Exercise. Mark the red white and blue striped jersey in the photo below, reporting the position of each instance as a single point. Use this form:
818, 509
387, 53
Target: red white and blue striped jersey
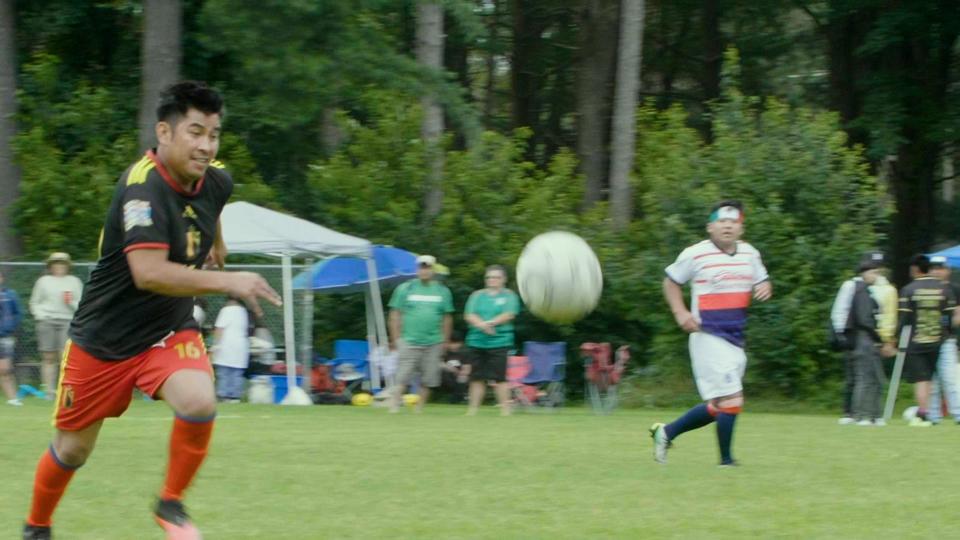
722, 286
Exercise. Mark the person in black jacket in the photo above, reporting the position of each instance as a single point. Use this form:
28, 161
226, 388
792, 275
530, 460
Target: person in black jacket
840, 320
866, 342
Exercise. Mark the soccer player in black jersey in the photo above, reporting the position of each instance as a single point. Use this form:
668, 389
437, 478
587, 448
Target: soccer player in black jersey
928, 305
134, 327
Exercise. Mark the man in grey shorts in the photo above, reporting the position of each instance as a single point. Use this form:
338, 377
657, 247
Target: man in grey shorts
55, 298
420, 325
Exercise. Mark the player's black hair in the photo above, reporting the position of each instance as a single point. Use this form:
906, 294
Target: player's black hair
922, 262
177, 99
729, 202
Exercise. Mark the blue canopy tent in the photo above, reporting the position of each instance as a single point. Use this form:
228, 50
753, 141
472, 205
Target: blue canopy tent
951, 253
349, 274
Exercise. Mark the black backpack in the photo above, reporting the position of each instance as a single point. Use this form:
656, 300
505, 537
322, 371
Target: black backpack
842, 341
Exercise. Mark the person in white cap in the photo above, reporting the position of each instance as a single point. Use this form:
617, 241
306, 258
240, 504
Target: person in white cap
420, 324
945, 377
928, 306
55, 298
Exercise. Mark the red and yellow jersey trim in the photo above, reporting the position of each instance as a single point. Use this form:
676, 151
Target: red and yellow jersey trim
146, 245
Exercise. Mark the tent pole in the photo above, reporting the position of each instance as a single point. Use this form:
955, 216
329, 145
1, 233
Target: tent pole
377, 301
372, 340
306, 334
289, 342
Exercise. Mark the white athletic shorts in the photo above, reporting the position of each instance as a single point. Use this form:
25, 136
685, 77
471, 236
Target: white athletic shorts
718, 365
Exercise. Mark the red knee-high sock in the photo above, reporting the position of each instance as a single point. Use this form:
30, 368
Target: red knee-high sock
188, 446
49, 484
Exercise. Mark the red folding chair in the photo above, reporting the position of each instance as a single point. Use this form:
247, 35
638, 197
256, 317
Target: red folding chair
603, 376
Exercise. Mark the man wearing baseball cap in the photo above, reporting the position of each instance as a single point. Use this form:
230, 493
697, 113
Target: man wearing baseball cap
873, 322
420, 326
864, 314
945, 376
54, 300
928, 306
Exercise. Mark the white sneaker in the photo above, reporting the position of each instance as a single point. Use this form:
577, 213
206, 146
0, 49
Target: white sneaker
846, 421
660, 442
920, 422
864, 422
879, 422
15, 402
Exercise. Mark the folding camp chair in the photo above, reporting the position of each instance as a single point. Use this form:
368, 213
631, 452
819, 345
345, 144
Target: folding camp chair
350, 364
547, 368
518, 367
602, 376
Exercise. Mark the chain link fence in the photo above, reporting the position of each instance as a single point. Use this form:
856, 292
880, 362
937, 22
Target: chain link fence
21, 276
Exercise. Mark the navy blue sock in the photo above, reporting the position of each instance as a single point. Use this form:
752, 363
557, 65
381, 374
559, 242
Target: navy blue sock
695, 418
725, 435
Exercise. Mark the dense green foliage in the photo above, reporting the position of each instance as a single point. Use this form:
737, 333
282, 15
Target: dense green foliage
74, 144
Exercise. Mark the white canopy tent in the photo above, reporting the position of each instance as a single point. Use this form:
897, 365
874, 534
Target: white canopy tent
248, 228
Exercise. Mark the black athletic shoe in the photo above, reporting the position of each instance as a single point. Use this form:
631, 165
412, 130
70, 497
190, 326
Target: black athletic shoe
731, 463
174, 521
32, 532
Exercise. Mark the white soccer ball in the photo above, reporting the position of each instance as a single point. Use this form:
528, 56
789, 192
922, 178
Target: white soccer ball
559, 277
910, 412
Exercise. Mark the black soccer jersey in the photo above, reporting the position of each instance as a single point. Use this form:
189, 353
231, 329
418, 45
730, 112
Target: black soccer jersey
927, 303
116, 320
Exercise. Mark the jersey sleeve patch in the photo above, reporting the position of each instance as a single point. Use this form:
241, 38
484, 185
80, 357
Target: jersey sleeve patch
137, 213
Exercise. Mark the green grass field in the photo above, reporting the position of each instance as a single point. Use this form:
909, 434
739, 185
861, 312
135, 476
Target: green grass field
347, 472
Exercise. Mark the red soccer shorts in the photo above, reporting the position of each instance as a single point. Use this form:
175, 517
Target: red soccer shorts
91, 389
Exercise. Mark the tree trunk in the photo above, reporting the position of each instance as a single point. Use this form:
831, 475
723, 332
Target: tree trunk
948, 173
598, 52
490, 67
331, 134
9, 173
713, 57
526, 37
914, 180
159, 59
456, 59
845, 33
430, 55
527, 78
913, 227
623, 137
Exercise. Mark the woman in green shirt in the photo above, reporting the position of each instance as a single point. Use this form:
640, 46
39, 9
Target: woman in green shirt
489, 314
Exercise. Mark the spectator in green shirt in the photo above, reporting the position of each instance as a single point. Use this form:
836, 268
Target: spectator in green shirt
489, 313
420, 325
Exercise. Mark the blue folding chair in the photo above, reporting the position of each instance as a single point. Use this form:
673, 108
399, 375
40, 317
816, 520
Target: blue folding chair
350, 364
548, 362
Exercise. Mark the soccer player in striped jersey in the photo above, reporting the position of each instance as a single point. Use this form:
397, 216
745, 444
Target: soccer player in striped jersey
725, 274
135, 327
